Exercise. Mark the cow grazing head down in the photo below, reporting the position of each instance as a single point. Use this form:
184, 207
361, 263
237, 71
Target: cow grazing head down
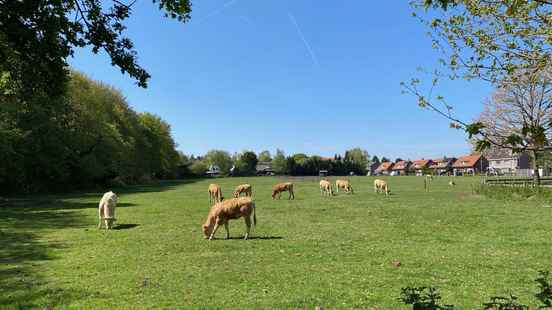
207, 231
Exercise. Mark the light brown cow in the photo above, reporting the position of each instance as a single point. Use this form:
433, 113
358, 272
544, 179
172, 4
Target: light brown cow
326, 188
230, 209
283, 187
381, 186
345, 185
243, 189
215, 194
106, 210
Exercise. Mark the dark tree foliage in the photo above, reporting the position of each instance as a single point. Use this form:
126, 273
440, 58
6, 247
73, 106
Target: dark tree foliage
88, 136
37, 37
246, 164
375, 159
423, 298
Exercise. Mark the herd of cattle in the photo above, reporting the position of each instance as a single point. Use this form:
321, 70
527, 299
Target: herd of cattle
239, 206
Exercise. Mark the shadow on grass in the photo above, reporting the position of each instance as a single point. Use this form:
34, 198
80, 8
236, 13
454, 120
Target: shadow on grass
125, 226
23, 249
251, 238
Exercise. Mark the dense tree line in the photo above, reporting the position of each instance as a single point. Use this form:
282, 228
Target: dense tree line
87, 135
299, 164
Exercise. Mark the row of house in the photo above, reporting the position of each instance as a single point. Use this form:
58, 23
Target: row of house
496, 161
470, 164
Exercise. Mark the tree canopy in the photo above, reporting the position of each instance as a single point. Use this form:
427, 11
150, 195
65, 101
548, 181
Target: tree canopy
501, 42
89, 135
37, 37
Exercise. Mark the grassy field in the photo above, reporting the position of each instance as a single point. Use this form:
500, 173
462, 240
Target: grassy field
335, 252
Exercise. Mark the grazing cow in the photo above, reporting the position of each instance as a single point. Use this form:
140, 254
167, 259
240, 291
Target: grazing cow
326, 188
230, 209
106, 210
283, 187
215, 194
243, 189
345, 185
381, 186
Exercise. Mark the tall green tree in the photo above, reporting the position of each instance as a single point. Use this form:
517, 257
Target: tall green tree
90, 136
265, 156
359, 159
246, 163
220, 158
501, 42
279, 162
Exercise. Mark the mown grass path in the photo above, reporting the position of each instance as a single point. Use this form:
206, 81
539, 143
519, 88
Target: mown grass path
333, 252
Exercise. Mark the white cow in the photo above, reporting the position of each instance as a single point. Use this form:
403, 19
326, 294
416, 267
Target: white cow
106, 210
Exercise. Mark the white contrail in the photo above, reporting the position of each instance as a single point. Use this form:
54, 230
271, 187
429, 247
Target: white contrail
217, 11
307, 45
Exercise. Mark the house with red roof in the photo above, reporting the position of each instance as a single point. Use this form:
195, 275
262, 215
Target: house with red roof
384, 168
420, 166
470, 164
402, 167
442, 166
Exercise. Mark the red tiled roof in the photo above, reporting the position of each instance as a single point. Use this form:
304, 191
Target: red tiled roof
420, 164
466, 161
401, 165
384, 166
441, 163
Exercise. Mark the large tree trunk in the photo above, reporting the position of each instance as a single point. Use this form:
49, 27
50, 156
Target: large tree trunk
536, 176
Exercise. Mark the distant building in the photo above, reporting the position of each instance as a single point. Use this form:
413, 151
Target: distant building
401, 167
371, 167
420, 166
264, 168
504, 161
213, 170
384, 168
442, 166
470, 164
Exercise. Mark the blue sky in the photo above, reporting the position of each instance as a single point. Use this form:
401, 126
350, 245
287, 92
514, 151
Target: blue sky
316, 77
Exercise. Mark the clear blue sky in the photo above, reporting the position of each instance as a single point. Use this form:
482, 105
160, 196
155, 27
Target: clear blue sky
316, 77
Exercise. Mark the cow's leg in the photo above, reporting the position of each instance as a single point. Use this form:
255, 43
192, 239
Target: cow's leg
247, 226
227, 230
214, 231
100, 216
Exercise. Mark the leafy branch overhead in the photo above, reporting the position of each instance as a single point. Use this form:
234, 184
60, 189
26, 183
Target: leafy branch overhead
36, 37
506, 43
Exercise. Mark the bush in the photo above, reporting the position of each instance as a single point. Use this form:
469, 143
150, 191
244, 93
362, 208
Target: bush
428, 298
423, 298
506, 192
